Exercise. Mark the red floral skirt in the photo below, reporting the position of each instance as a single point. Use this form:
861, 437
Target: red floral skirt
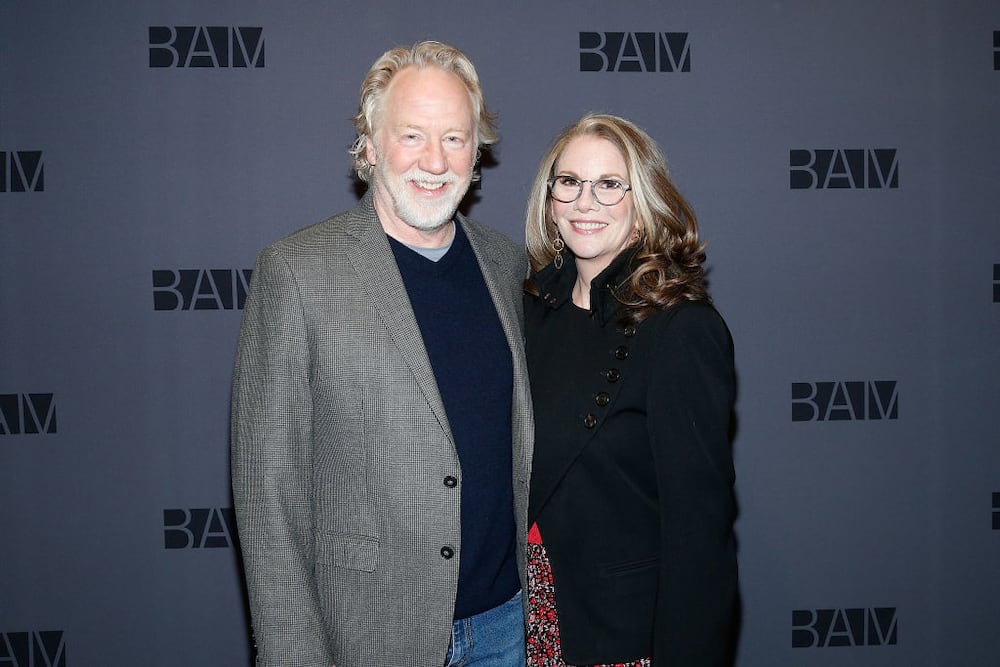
543, 646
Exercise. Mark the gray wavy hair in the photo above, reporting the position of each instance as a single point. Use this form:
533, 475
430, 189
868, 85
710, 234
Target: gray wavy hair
421, 55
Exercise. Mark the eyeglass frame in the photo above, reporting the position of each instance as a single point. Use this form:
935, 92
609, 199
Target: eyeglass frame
551, 181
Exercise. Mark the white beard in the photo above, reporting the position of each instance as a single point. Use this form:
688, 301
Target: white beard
422, 215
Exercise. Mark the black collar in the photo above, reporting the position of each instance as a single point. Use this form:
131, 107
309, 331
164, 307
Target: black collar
555, 286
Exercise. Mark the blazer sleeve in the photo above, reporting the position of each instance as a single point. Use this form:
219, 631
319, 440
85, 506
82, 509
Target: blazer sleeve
691, 398
271, 448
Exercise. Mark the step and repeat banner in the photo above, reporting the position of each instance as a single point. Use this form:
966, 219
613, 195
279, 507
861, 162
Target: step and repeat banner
843, 160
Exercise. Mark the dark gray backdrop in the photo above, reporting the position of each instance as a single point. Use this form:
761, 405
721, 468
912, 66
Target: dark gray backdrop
863, 541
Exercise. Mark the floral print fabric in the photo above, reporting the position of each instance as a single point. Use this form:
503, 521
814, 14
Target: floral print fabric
543, 648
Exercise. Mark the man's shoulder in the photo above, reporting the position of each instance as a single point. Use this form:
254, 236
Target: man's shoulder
338, 231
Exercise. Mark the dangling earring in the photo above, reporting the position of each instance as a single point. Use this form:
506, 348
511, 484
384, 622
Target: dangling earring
558, 245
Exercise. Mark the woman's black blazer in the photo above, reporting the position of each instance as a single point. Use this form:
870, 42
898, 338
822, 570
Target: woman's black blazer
632, 480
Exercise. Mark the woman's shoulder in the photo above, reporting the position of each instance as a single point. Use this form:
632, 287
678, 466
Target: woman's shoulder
688, 314
689, 323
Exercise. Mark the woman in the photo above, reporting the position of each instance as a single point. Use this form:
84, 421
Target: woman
632, 559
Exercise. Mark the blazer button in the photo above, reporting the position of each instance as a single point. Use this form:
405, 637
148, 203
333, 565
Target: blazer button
621, 352
590, 421
629, 331
614, 375
447, 553
450, 482
602, 399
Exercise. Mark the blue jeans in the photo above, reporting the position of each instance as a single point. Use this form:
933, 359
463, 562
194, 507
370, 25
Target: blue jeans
494, 638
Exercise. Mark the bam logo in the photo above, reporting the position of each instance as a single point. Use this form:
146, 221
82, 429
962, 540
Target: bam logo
996, 283
27, 413
821, 628
22, 171
996, 49
217, 46
205, 528
200, 289
851, 169
840, 401
635, 52
32, 649
996, 511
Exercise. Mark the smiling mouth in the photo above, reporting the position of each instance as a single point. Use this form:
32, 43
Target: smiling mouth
589, 226
429, 185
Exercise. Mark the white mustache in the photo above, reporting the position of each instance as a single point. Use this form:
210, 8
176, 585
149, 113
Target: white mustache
430, 179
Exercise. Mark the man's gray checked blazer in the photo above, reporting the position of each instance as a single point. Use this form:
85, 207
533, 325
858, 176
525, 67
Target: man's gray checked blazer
340, 445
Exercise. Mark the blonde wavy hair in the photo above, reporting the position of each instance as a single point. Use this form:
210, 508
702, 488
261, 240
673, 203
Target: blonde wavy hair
668, 264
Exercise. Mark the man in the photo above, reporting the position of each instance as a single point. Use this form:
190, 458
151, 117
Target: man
381, 421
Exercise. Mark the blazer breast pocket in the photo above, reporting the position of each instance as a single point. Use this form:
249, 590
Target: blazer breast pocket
353, 552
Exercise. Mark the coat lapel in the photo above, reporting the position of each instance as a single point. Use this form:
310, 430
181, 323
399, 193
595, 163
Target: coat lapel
505, 290
379, 276
498, 282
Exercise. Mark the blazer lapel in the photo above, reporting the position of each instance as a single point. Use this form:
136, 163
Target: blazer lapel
497, 281
505, 289
379, 276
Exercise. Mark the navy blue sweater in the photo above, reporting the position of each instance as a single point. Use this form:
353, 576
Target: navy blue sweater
472, 365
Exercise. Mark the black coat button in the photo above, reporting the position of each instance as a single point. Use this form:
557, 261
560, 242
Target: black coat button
447, 553
602, 399
614, 375
590, 421
450, 482
629, 331
621, 352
